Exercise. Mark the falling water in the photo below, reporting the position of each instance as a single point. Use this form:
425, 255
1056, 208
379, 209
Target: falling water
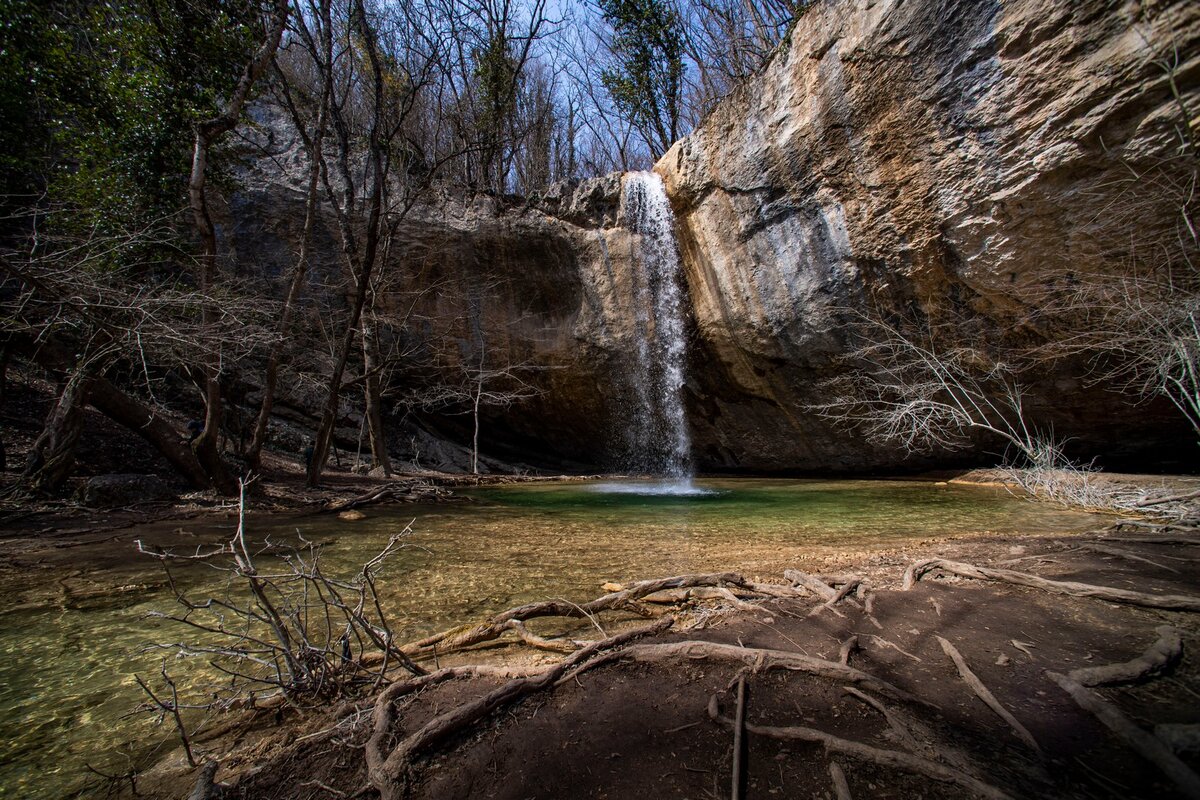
658, 427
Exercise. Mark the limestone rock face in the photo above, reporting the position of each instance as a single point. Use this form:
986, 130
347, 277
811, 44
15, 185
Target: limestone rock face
936, 154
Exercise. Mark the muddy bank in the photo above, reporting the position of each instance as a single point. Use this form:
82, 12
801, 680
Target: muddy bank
640, 723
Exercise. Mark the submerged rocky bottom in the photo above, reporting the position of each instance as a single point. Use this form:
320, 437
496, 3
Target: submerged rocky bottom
74, 622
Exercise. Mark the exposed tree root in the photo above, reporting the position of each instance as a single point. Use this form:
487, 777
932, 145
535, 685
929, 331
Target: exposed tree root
849, 646
841, 594
760, 660
387, 770
1180, 540
497, 626
882, 642
737, 792
824, 590
674, 596
986, 696
1160, 657
874, 755
840, 786
907, 730
1119, 553
1182, 739
1169, 601
1146, 744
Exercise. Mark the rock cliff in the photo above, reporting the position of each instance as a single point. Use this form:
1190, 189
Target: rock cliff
934, 155
937, 154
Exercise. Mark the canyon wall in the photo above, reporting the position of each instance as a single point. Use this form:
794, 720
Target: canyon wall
943, 156
930, 157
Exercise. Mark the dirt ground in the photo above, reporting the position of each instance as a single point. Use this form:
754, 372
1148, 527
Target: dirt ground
635, 729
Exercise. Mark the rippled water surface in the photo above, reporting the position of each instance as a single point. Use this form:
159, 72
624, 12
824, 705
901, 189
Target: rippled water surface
71, 634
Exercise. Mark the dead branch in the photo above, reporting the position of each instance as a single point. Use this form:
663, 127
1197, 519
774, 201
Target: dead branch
874, 755
1160, 657
1175, 602
1146, 744
986, 696
1175, 498
387, 770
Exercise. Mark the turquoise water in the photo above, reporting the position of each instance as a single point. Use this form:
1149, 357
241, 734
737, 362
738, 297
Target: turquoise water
67, 656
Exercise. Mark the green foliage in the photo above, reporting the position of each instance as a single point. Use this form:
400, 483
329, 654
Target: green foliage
647, 83
98, 97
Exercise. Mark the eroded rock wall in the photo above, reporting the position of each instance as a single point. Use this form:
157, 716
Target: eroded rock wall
933, 156
938, 154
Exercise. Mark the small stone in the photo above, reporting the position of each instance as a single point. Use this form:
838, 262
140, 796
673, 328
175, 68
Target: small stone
609, 586
352, 515
1003, 661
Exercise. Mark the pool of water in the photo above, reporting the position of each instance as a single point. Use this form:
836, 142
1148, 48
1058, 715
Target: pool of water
73, 633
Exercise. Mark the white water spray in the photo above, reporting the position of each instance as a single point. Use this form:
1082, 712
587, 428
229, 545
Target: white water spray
658, 430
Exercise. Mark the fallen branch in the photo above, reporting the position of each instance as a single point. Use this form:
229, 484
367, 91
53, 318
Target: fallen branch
1170, 601
1170, 499
1161, 656
1147, 745
874, 755
986, 696
386, 771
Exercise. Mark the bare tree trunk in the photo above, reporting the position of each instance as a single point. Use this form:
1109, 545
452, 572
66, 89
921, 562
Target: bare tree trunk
271, 376
53, 455
378, 163
372, 396
125, 410
151, 426
475, 436
207, 133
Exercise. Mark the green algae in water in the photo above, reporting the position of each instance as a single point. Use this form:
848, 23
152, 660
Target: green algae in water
66, 681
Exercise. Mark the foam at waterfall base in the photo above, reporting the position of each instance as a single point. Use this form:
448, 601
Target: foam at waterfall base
654, 487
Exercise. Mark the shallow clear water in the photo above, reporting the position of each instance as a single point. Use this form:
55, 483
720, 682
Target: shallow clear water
66, 662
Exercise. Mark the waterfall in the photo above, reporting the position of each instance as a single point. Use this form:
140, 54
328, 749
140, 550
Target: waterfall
657, 430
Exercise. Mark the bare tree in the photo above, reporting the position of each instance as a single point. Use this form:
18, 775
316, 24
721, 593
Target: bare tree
285, 629
906, 383
208, 132
1139, 325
